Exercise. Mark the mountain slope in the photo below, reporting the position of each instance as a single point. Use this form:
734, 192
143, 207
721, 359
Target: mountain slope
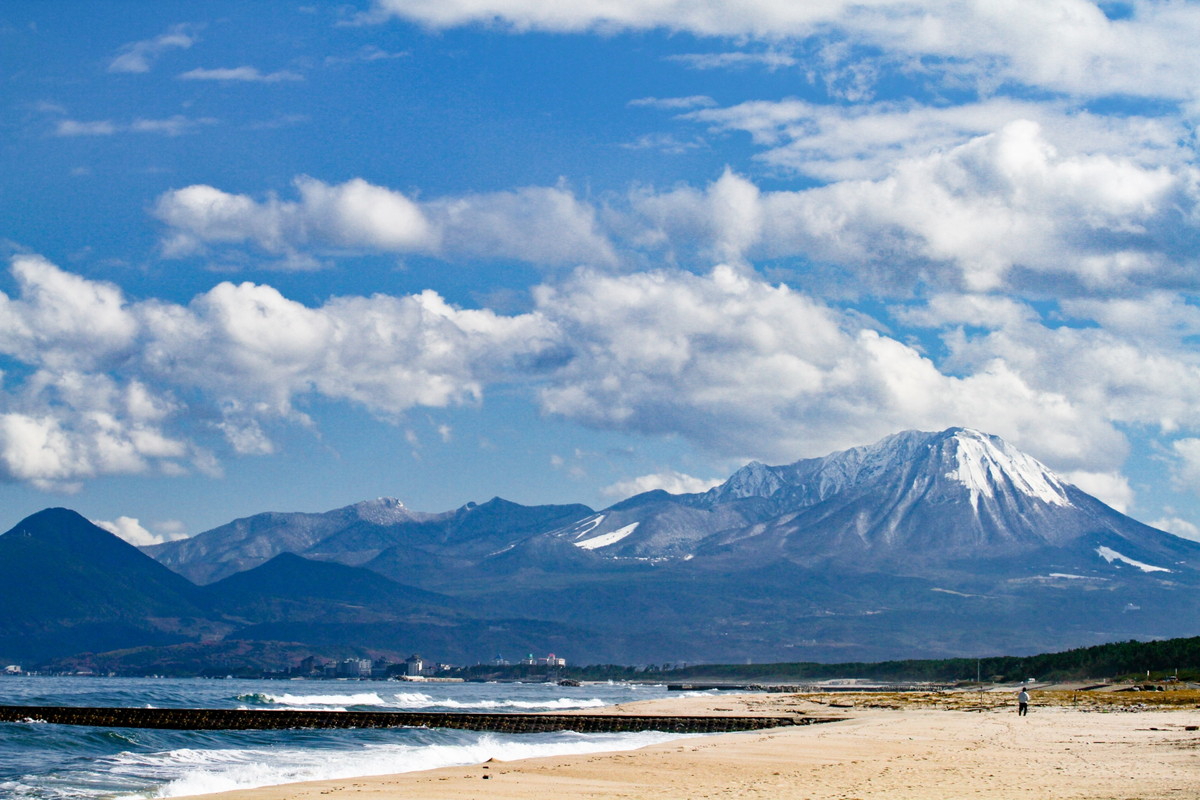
67, 585
290, 587
384, 531
909, 502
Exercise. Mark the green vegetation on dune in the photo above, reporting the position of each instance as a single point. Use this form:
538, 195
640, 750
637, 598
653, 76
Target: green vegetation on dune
1160, 658
1134, 659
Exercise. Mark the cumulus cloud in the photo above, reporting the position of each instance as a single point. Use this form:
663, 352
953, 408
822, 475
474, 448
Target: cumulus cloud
118, 387
668, 481
138, 57
1186, 466
545, 225
740, 367
1117, 378
1004, 210
59, 429
62, 321
1061, 45
131, 530
1109, 487
865, 140
1178, 526
745, 368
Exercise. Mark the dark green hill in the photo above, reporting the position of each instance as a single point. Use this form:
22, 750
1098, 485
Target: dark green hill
290, 587
1116, 659
68, 586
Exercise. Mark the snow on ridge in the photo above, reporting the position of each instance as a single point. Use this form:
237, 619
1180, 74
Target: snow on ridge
605, 539
586, 527
1110, 555
983, 462
383, 511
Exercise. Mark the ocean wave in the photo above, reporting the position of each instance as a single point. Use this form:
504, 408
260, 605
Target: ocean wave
418, 700
264, 699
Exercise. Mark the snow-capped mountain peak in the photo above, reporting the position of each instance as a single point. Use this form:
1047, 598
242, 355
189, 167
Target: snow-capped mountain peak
755, 479
983, 463
382, 511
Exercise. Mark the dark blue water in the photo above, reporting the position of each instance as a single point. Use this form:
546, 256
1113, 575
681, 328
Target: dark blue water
38, 760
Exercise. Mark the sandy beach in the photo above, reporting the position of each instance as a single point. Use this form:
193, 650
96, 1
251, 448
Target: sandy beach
1125, 746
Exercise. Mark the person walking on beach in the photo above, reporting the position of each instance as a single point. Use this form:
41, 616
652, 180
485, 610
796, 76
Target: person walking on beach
1022, 703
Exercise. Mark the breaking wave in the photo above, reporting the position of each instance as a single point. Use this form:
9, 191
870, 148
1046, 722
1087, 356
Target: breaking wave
339, 700
419, 700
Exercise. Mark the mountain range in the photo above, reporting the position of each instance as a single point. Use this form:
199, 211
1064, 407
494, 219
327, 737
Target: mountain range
921, 545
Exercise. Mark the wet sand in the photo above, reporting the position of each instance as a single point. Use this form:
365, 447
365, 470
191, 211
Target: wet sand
895, 746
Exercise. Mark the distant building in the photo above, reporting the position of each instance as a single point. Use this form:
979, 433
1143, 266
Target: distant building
354, 668
414, 666
549, 661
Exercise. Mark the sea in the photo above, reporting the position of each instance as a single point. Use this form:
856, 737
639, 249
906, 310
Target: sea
49, 762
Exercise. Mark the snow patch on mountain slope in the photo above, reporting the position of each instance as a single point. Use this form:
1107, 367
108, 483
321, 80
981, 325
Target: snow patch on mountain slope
1110, 555
605, 539
585, 527
985, 462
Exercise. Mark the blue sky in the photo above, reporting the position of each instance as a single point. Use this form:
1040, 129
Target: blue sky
289, 257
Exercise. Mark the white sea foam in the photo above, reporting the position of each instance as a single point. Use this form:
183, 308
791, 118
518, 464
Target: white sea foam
415, 700
206, 771
363, 699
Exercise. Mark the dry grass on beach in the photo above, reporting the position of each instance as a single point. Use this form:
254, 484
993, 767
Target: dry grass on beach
965, 700
1073, 745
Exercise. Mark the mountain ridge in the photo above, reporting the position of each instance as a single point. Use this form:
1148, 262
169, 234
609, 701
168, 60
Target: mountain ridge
925, 544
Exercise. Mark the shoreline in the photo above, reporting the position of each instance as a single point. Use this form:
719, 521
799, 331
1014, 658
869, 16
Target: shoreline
938, 746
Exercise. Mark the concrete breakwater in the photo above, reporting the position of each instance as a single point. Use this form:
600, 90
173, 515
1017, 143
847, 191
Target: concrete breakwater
256, 719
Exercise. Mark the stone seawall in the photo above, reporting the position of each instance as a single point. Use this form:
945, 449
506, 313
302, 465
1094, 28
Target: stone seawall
251, 719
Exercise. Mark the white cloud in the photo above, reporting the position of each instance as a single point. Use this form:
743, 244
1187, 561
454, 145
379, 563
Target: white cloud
73, 127
240, 75
1060, 45
107, 376
747, 369
63, 321
131, 530
1161, 317
865, 140
724, 360
177, 125
538, 224
770, 60
973, 310
674, 103
542, 225
1111, 488
664, 143
668, 481
138, 57
1005, 210
1115, 378
66, 427
1178, 526
1186, 467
